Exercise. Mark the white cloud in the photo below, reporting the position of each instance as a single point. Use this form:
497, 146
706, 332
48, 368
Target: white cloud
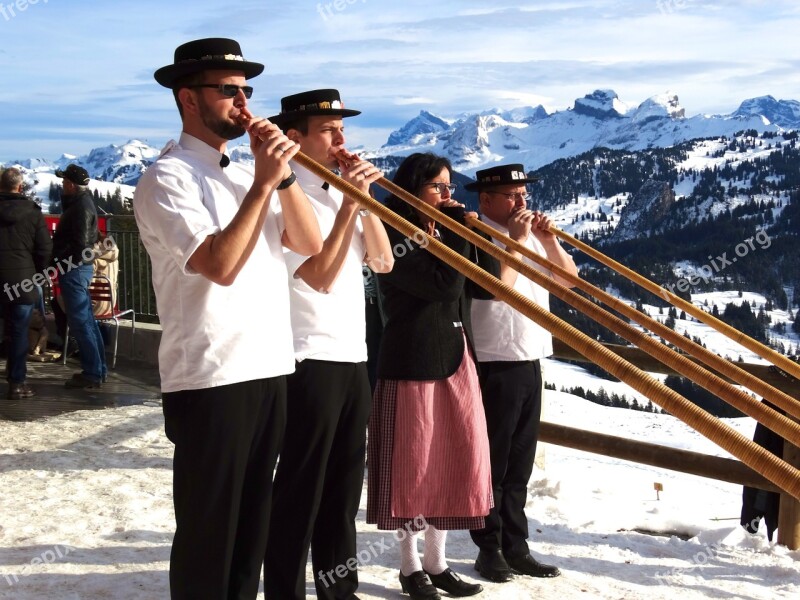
392, 59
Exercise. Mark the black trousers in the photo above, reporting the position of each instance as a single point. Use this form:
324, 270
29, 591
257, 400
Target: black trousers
318, 482
512, 399
227, 441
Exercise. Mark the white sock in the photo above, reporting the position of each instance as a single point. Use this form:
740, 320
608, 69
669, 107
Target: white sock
434, 561
409, 557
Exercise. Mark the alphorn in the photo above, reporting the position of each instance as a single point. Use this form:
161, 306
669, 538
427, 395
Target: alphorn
773, 468
779, 423
727, 368
755, 346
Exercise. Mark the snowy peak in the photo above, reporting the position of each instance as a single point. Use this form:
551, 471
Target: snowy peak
119, 164
534, 137
425, 123
470, 138
601, 104
523, 114
664, 105
783, 113
33, 164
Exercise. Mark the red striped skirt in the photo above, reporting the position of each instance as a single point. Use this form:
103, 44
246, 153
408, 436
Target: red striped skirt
428, 453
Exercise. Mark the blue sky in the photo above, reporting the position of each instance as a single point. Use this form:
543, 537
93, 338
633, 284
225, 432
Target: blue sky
78, 74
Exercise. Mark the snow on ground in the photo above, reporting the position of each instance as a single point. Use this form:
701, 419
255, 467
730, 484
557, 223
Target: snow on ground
86, 509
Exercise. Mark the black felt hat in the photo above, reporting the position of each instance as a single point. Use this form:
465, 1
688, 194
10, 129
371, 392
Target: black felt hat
77, 175
312, 104
501, 175
204, 55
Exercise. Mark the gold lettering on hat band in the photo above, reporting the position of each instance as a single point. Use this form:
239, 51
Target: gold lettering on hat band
236, 57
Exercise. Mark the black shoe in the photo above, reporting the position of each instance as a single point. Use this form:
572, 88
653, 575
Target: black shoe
80, 382
419, 586
527, 565
18, 391
492, 565
451, 583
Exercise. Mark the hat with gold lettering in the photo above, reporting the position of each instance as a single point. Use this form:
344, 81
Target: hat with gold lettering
312, 104
501, 175
205, 55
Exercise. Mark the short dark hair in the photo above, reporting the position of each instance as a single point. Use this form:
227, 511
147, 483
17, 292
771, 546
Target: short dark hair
411, 175
300, 124
11, 179
186, 81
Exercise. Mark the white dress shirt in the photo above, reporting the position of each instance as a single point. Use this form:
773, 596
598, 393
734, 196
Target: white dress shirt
328, 326
213, 335
502, 333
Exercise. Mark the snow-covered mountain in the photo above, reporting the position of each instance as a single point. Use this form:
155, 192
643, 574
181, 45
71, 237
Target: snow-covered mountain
110, 167
120, 164
535, 138
527, 135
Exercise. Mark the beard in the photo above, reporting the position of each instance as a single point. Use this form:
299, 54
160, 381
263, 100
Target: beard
227, 130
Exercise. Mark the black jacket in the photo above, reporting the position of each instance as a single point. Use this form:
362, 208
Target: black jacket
424, 298
77, 228
24, 248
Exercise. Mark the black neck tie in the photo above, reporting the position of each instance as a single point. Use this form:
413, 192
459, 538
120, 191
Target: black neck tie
224, 161
325, 186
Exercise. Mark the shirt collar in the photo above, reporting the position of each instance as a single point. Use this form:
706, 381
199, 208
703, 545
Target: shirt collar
500, 228
310, 182
207, 153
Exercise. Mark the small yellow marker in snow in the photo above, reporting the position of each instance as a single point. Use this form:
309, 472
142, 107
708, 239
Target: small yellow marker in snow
658, 487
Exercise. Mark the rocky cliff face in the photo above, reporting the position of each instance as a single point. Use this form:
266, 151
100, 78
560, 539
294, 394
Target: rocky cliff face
644, 211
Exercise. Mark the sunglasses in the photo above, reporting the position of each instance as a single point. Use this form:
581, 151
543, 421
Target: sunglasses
229, 90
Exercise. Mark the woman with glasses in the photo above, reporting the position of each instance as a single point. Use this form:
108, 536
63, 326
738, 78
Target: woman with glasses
428, 451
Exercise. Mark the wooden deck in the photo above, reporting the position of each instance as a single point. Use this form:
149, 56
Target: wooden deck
130, 383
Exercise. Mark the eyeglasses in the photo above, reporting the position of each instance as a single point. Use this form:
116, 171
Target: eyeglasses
439, 188
229, 90
515, 196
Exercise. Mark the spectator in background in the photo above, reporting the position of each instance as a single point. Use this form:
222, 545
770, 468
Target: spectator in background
75, 235
106, 264
25, 248
37, 337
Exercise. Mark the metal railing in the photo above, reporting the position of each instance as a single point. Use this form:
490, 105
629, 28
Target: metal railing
135, 283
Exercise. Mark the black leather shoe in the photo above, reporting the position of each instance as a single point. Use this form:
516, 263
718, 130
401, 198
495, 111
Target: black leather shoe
419, 586
80, 382
18, 391
492, 565
527, 565
451, 583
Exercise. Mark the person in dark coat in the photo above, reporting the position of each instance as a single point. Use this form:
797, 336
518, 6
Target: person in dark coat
76, 234
760, 504
428, 401
24, 255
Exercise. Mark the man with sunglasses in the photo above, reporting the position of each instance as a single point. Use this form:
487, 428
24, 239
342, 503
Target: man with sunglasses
321, 472
509, 346
215, 232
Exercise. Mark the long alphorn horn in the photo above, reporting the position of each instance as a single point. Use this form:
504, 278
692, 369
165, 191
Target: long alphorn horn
773, 468
736, 397
755, 346
726, 368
